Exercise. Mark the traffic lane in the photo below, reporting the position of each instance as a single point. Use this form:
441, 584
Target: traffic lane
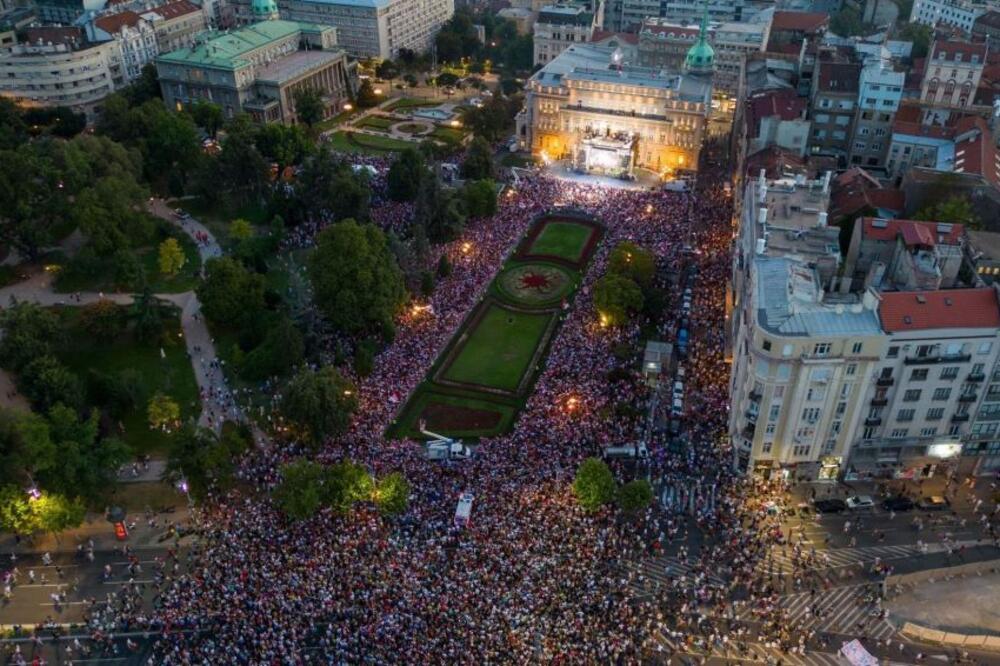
895, 529
82, 581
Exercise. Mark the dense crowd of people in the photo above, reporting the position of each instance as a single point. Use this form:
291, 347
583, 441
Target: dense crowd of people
531, 578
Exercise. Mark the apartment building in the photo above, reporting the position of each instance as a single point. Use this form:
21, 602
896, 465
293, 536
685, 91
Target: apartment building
917, 144
880, 89
952, 74
663, 44
629, 15
58, 67
134, 36
961, 14
367, 28
177, 24
833, 101
986, 28
560, 26
802, 351
981, 451
940, 347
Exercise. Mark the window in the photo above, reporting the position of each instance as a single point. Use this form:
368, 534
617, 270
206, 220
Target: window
857, 347
952, 349
893, 352
950, 372
801, 450
911, 395
779, 392
941, 394
766, 345
814, 394
868, 433
805, 432
955, 430
985, 348
772, 414
928, 432
852, 369
835, 428
821, 349
787, 350
770, 428
765, 447
899, 433
845, 390
860, 145
935, 413
918, 375
810, 414
841, 408
905, 415
977, 369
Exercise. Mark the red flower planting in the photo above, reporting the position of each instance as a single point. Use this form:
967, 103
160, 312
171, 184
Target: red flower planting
535, 281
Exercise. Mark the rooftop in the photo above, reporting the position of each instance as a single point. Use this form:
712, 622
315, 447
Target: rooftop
976, 152
789, 302
948, 308
295, 64
113, 23
800, 21
953, 51
172, 10
839, 77
784, 103
565, 15
913, 232
229, 50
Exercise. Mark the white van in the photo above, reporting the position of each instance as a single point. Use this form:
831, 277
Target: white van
446, 451
677, 409
631, 451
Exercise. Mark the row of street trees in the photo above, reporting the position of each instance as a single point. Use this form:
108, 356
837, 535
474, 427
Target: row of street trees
595, 487
307, 487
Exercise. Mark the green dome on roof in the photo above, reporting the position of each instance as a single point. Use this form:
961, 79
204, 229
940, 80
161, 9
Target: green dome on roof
700, 58
265, 9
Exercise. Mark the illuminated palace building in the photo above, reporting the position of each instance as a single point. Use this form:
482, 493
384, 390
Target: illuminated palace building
603, 115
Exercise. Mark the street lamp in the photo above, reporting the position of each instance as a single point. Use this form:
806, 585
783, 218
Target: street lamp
348, 106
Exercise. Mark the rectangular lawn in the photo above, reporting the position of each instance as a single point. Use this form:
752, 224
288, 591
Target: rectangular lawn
566, 240
498, 352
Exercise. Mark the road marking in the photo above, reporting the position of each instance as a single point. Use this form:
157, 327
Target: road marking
126, 582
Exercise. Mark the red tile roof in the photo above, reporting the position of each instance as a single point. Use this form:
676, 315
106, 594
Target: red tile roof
172, 10
599, 35
977, 154
54, 34
800, 21
785, 104
113, 23
914, 232
949, 308
684, 33
855, 190
949, 49
839, 77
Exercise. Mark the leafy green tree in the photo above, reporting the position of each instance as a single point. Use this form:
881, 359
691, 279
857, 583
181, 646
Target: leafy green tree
103, 319
146, 315
240, 229
129, 273
170, 146
480, 198
46, 381
327, 183
446, 79
356, 280
26, 447
285, 145
299, 494
478, 161
366, 98
163, 412
406, 176
282, 350
144, 88
919, 34
387, 70
13, 131
33, 198
230, 294
29, 332
635, 495
444, 266
205, 460
309, 106
345, 484
240, 169
208, 116
319, 404
594, 486
87, 465
847, 23
392, 494
25, 515
440, 212
953, 210
171, 257
107, 213
616, 298
633, 262
364, 357
493, 120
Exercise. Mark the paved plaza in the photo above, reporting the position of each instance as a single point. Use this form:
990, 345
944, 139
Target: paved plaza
969, 605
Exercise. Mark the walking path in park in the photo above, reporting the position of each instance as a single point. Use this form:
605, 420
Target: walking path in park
217, 402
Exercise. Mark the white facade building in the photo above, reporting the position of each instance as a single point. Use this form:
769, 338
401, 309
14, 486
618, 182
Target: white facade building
958, 13
560, 26
134, 35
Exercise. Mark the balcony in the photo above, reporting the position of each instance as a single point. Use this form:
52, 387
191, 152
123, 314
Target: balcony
931, 360
975, 377
751, 417
885, 381
749, 430
967, 397
879, 402
873, 422
755, 396
959, 418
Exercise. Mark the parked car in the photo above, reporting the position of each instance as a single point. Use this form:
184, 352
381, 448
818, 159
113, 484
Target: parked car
860, 503
898, 503
830, 505
933, 503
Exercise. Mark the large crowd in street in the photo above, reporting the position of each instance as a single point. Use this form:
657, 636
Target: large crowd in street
531, 578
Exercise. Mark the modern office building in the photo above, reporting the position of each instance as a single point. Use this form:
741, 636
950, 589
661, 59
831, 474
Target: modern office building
258, 69
367, 28
604, 116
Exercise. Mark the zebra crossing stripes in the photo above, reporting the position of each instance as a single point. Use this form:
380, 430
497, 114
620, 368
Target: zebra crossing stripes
840, 613
661, 572
756, 652
690, 498
836, 558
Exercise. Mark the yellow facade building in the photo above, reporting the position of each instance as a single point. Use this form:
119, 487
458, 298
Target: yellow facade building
606, 116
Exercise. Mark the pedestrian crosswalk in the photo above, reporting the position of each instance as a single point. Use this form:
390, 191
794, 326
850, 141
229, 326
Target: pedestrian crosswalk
842, 610
783, 559
660, 573
693, 498
747, 652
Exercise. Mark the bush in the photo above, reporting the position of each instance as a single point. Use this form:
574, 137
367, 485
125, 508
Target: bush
427, 283
444, 266
635, 495
364, 357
